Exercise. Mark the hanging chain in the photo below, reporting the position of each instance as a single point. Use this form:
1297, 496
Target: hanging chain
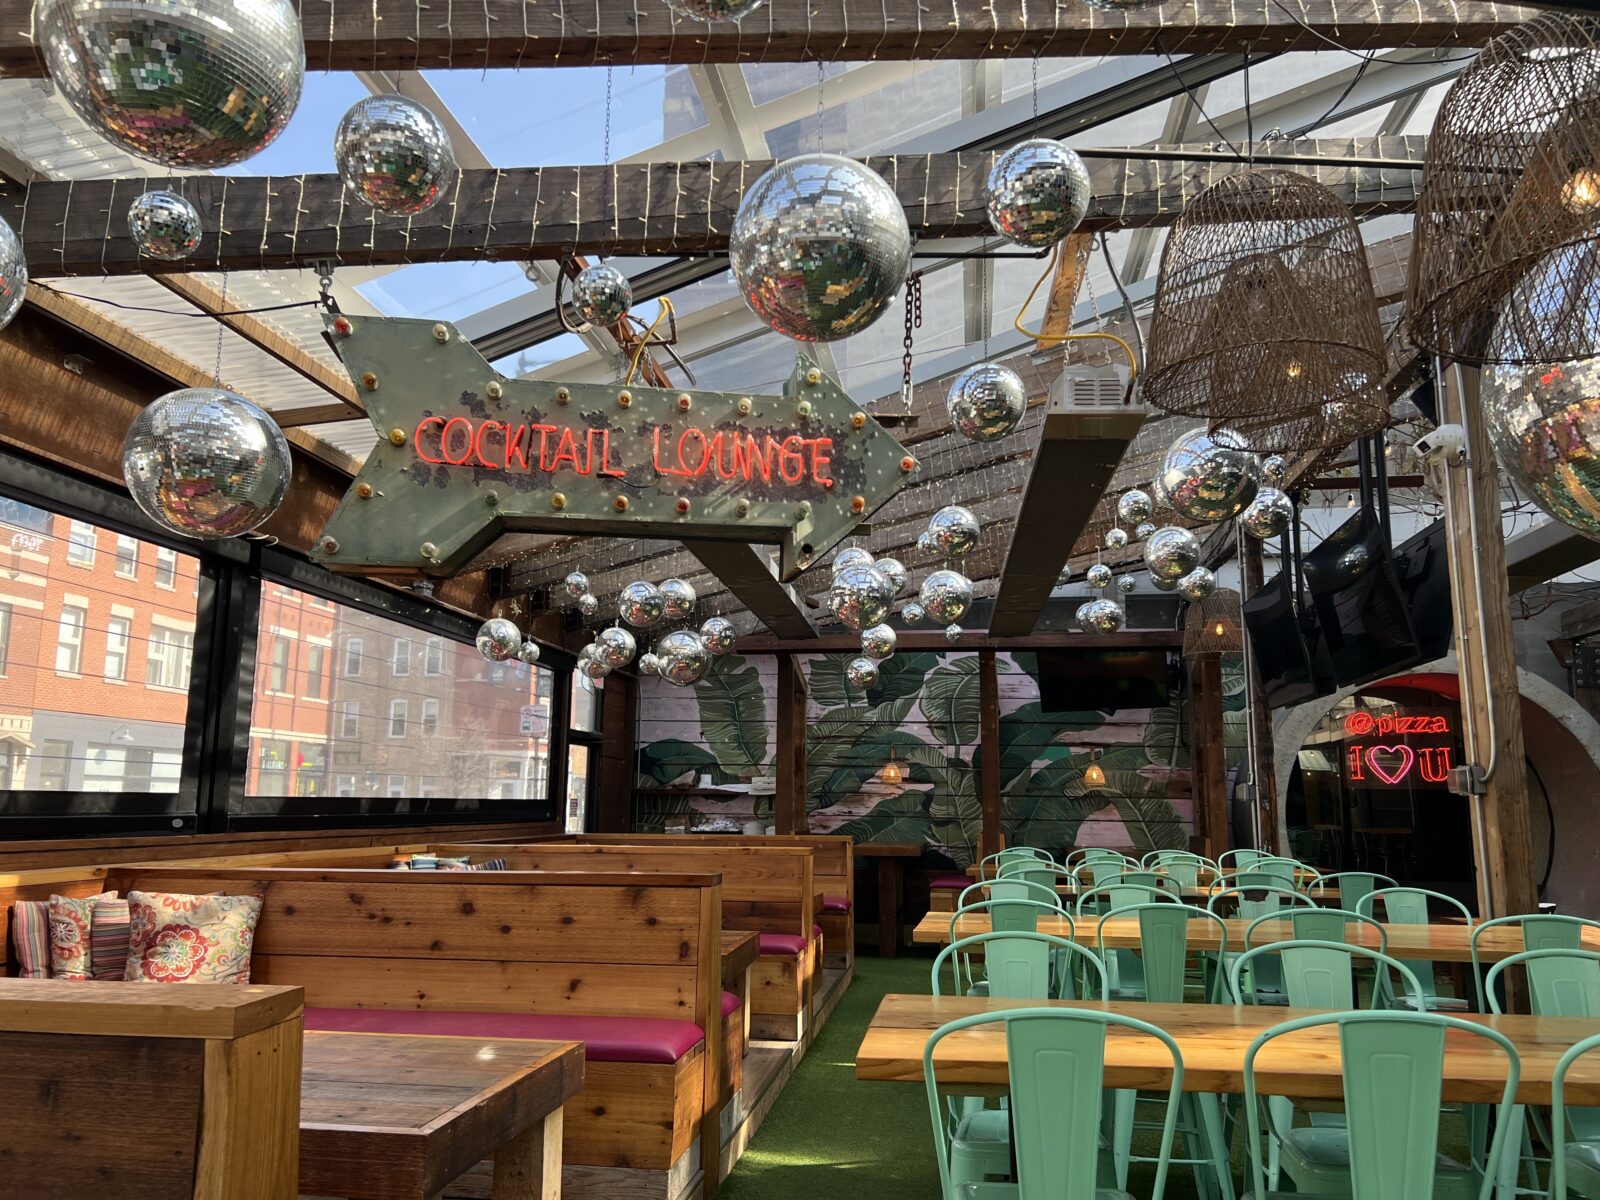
913, 321
1035, 95
983, 302
822, 87
606, 150
222, 327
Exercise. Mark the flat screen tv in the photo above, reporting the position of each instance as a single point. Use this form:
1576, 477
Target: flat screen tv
1104, 680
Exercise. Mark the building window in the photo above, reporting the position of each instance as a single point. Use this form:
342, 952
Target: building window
430, 716
396, 787
118, 630
166, 568
352, 656
50, 765
316, 671
127, 564
278, 672
69, 640
167, 658
433, 657
344, 785
5, 636
81, 538
397, 718
349, 719
400, 664
308, 779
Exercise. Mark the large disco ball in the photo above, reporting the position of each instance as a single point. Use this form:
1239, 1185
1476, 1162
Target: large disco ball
1134, 507
1268, 515
602, 294
819, 247
714, 10
164, 225
913, 613
1038, 192
13, 273
528, 653
861, 673
1162, 584
1197, 584
953, 531
499, 640
395, 154
945, 596
591, 664
1171, 553
852, 556
641, 605
1544, 421
861, 596
684, 657
1116, 539
1101, 616
986, 401
186, 83
1099, 576
1208, 476
206, 463
680, 598
718, 634
878, 642
576, 584
894, 571
615, 646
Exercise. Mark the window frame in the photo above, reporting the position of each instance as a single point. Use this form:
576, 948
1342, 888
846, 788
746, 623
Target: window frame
74, 545
75, 671
120, 560
112, 621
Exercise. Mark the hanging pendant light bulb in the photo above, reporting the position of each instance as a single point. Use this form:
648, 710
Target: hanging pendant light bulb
1093, 774
893, 773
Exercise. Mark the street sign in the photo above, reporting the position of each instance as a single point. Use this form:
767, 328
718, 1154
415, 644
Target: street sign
535, 721
465, 453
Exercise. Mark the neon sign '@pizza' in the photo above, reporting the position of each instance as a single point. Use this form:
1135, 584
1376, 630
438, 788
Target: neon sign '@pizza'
1392, 763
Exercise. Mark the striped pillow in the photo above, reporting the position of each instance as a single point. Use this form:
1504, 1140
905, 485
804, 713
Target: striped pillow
30, 934
108, 939
70, 917
488, 864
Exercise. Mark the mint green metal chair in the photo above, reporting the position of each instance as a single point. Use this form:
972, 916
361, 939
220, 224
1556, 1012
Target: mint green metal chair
1248, 904
1409, 906
1087, 854
1540, 931
1055, 1060
1008, 889
1240, 859
1311, 924
1575, 1165
1126, 970
1319, 974
1010, 915
1352, 886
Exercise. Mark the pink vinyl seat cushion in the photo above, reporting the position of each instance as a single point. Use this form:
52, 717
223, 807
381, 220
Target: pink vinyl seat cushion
730, 1004
783, 943
836, 904
948, 882
605, 1039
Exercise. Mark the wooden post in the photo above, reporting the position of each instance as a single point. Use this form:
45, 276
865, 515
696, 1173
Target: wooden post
619, 701
1207, 762
789, 808
991, 836
1263, 773
1486, 660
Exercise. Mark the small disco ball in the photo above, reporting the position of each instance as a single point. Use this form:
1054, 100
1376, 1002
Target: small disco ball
591, 664
528, 653
615, 646
1163, 585
1064, 576
649, 664
499, 640
164, 225
1134, 506
642, 605
892, 570
1171, 552
953, 530
395, 155
1275, 469
588, 605
913, 613
577, 584
714, 10
1354, 561
602, 294
945, 596
684, 657
878, 642
819, 247
861, 673
718, 634
1099, 576
861, 596
986, 401
1101, 616
925, 542
1145, 529
952, 633
1544, 422
186, 83
1197, 584
1116, 539
13, 273
1268, 515
680, 598
206, 463
1126, 584
1081, 616
852, 556
1038, 192
1208, 476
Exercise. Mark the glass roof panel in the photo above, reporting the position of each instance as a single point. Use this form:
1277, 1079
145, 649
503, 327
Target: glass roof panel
872, 123
444, 290
773, 81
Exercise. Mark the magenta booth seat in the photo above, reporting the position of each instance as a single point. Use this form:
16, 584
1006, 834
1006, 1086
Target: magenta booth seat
836, 904
605, 1039
949, 882
783, 943
730, 1005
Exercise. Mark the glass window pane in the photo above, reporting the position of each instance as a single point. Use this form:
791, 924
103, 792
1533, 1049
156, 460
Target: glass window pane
127, 557
578, 759
586, 702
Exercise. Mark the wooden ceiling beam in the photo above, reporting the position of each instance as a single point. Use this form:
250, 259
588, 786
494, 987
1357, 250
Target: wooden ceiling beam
747, 572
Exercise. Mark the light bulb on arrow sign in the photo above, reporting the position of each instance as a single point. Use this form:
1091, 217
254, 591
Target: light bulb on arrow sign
465, 454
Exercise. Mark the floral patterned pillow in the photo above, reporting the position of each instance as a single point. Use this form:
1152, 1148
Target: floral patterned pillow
70, 920
175, 938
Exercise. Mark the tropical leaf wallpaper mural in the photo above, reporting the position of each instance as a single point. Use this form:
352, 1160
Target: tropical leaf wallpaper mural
706, 755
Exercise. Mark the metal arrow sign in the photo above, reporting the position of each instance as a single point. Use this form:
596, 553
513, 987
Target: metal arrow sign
465, 453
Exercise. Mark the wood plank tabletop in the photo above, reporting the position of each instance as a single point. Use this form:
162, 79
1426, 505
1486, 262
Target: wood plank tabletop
888, 850
207, 1010
740, 949
1199, 895
384, 1117
1213, 1039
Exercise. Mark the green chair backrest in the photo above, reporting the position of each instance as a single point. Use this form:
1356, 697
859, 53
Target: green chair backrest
1559, 1114
1153, 879
1010, 915
1393, 1067
1540, 931
1285, 871
1008, 889
1021, 966
1101, 869
1056, 1063
1031, 870
1561, 983
1253, 902
1120, 895
1239, 859
1319, 974
1408, 905
1164, 945
1352, 885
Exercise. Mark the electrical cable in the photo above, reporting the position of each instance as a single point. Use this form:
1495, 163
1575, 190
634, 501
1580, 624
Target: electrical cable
167, 312
1127, 300
645, 342
1054, 339
1195, 100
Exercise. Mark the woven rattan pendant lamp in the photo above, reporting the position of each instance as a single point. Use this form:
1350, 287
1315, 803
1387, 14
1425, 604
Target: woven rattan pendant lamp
1265, 320
1213, 625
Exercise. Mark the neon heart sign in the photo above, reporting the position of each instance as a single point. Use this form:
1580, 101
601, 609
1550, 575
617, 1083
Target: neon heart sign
1394, 765
1402, 757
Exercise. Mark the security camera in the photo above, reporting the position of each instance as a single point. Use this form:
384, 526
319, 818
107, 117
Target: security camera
1446, 444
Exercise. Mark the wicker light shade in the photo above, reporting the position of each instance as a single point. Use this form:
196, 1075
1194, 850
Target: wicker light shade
1211, 626
1509, 207
1265, 319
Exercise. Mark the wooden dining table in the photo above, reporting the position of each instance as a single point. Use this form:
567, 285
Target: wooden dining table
1199, 895
1213, 1039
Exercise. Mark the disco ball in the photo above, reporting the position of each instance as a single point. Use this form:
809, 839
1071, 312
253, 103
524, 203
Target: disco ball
819, 247
528, 653
925, 542
861, 596
649, 664
1116, 539
1197, 584
1126, 584
1163, 585
206, 463
878, 642
1354, 561
577, 584
714, 10
13, 273
395, 155
861, 673
1134, 507
1544, 422
1268, 515
680, 598
591, 664
945, 596
1145, 529
588, 605
892, 570
602, 294
913, 613
952, 633
615, 646
1208, 476
986, 401
1081, 616
642, 605
1171, 552
953, 530
718, 634
684, 657
186, 83
164, 225
1101, 616
1099, 576
1038, 192
1275, 469
499, 640
852, 556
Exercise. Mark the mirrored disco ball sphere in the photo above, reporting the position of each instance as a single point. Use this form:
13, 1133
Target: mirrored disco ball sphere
1116, 539
1081, 616
592, 665
952, 633
680, 597
1102, 616
861, 596
588, 605
1355, 561
852, 556
714, 10
1038, 192
1162, 584
1126, 584
1134, 506
1208, 476
395, 155
187, 83
615, 646
892, 570
953, 530
206, 463
641, 605
945, 596
164, 225
819, 247
13, 273
684, 657
718, 634
1544, 421
913, 613
499, 640
878, 642
1197, 584
577, 584
649, 664
528, 652
986, 401
602, 294
1099, 576
1275, 469
1145, 529
861, 673
1171, 552
1268, 515
925, 542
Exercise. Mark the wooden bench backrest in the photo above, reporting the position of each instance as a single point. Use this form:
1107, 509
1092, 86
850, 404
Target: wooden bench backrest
833, 855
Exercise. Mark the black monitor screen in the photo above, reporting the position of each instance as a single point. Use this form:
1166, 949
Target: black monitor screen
1103, 680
